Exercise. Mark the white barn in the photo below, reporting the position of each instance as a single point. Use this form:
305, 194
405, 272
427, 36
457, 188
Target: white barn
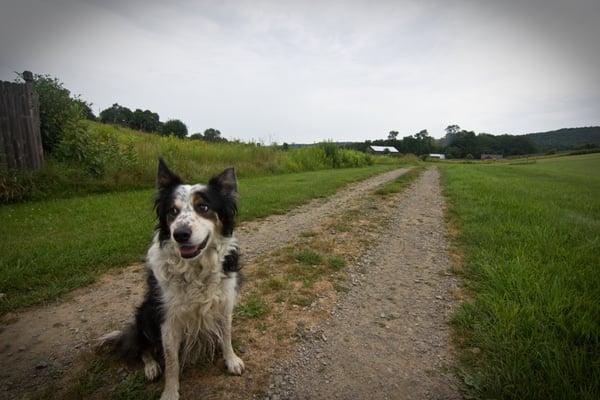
383, 149
437, 155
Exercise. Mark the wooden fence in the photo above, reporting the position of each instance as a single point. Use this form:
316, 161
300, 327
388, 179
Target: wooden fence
20, 139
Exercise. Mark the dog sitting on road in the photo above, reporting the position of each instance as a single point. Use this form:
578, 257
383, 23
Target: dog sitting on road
193, 280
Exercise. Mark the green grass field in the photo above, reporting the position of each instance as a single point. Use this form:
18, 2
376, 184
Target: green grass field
51, 247
530, 236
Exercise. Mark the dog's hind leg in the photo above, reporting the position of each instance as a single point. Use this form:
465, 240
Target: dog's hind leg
151, 367
234, 364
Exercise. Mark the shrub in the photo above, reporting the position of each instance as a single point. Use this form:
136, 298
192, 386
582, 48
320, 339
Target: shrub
59, 112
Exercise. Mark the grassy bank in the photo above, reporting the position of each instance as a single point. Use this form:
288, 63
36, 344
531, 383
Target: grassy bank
530, 236
111, 158
51, 247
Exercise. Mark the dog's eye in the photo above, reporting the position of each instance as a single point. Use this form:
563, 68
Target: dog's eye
202, 208
173, 211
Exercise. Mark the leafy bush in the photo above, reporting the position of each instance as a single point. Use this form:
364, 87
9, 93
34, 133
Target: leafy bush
59, 112
95, 151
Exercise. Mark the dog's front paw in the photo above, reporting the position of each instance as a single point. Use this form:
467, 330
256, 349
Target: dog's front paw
235, 365
151, 370
170, 395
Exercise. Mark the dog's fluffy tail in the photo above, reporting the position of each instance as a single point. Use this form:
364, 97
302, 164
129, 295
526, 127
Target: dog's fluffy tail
124, 342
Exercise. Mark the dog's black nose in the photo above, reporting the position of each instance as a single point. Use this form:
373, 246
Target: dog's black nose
182, 234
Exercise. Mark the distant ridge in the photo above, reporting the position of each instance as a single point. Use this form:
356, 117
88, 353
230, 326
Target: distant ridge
566, 138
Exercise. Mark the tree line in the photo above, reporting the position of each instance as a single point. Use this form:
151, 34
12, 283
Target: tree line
457, 143
460, 143
419, 143
148, 121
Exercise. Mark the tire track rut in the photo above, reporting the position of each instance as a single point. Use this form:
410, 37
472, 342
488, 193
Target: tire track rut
389, 338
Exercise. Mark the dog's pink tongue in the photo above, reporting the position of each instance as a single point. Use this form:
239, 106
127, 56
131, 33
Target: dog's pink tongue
187, 250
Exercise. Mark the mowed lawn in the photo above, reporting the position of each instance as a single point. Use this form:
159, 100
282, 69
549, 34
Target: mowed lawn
530, 235
51, 247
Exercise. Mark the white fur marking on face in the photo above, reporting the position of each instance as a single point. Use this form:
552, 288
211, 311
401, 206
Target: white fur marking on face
184, 201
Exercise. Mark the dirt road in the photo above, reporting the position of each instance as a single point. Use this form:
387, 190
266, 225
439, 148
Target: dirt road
42, 342
389, 337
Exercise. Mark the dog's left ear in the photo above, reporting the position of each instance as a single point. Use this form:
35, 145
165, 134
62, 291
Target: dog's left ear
165, 178
225, 182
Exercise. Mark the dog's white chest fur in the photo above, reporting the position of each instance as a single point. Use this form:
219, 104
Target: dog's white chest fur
195, 294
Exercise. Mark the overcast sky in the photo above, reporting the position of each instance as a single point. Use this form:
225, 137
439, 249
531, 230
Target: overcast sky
305, 71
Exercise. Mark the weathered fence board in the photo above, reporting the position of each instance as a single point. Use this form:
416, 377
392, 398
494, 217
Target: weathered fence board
20, 138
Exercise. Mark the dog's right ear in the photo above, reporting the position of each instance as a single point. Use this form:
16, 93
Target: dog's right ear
165, 177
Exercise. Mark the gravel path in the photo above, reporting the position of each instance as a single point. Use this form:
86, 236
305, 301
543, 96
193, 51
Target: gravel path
389, 337
42, 342
270, 233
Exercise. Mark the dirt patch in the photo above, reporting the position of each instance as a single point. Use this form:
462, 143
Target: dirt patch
41, 344
389, 337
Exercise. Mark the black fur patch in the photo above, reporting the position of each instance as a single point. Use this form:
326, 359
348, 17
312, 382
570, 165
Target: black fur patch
224, 203
166, 183
231, 263
144, 334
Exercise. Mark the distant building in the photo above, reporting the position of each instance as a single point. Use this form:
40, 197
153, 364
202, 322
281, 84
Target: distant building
436, 155
491, 156
382, 149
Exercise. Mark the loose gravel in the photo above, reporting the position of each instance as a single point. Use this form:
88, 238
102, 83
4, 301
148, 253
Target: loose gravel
388, 338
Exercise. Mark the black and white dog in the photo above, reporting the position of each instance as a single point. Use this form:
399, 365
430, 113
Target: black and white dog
193, 278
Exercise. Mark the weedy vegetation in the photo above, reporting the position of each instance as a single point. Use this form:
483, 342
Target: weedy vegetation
530, 238
98, 157
401, 182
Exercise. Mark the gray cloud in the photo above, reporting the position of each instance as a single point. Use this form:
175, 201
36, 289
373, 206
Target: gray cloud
306, 71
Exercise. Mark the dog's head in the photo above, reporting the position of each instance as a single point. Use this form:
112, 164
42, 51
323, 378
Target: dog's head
191, 216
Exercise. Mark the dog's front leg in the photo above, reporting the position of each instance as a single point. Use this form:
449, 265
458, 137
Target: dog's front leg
234, 364
171, 341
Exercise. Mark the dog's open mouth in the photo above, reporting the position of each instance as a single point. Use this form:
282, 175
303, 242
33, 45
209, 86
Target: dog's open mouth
192, 251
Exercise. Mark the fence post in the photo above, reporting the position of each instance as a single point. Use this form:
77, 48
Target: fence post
36, 152
20, 138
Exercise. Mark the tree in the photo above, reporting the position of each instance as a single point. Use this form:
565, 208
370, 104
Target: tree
453, 152
451, 132
196, 136
116, 114
452, 129
174, 127
422, 135
213, 135
86, 109
146, 121
393, 135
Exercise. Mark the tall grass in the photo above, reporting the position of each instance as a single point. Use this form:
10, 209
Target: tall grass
530, 234
125, 159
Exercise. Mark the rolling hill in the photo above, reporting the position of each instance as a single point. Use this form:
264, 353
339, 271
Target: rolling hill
566, 138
